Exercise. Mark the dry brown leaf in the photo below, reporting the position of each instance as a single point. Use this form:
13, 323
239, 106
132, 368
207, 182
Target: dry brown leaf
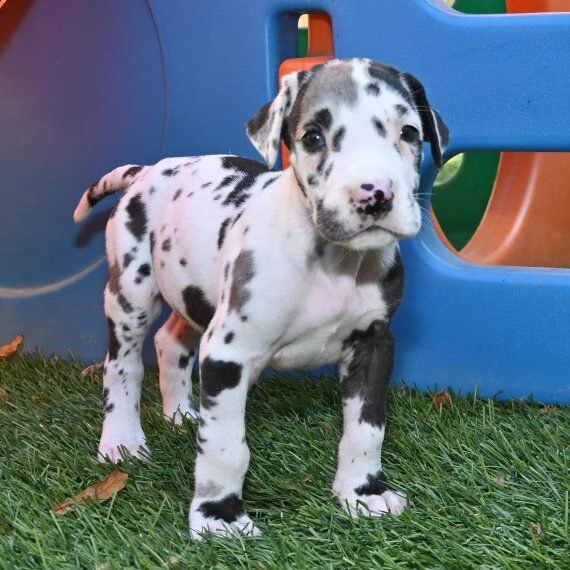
328, 426
441, 399
101, 491
91, 370
12, 348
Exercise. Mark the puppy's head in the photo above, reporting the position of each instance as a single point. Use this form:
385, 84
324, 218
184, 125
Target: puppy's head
355, 130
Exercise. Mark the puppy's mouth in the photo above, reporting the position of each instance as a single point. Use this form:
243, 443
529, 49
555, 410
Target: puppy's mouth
332, 229
345, 238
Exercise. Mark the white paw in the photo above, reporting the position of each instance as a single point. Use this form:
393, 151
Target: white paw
178, 414
373, 505
230, 524
116, 450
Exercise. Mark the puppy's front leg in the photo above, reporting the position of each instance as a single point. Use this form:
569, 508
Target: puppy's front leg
223, 455
365, 370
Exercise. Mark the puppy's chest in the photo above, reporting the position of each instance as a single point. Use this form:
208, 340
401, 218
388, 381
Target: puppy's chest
330, 311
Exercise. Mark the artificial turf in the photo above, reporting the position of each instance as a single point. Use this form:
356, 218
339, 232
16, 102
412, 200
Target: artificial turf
488, 482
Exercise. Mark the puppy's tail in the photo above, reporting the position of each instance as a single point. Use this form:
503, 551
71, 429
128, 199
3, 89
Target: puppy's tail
118, 179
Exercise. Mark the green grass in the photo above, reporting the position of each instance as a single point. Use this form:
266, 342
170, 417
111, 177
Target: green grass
488, 482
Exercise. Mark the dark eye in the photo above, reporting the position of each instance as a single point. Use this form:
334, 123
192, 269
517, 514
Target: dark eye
409, 134
312, 141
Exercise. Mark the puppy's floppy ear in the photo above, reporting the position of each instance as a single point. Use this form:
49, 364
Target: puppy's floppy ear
435, 130
266, 128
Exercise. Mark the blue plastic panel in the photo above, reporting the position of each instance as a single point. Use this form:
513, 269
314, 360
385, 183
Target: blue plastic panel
86, 86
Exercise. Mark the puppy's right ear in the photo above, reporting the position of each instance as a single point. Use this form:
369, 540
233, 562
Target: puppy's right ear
265, 129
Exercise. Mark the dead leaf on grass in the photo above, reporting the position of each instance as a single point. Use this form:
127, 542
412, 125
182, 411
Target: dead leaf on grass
91, 370
546, 410
101, 491
12, 348
328, 426
441, 399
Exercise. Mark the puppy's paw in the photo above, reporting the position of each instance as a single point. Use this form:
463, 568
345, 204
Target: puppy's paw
119, 449
225, 517
387, 502
179, 413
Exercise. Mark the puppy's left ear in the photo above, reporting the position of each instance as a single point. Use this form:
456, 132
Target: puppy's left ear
268, 126
435, 130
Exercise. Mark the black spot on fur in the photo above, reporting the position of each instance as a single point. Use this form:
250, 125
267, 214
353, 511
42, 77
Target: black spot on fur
216, 376
152, 242
367, 363
321, 165
259, 120
127, 258
124, 303
311, 180
243, 273
206, 184
137, 222
375, 485
229, 337
222, 233
337, 139
107, 406
226, 182
132, 171
250, 169
372, 89
328, 170
226, 271
114, 344
143, 271
323, 118
378, 125
228, 509
393, 285
244, 165
182, 262
390, 76
270, 181
401, 110
198, 308
167, 245
170, 172
183, 361
177, 194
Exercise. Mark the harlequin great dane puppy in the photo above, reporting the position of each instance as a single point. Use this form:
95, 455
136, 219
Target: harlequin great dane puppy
292, 269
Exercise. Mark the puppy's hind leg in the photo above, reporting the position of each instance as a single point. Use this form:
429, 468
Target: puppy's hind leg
176, 343
132, 302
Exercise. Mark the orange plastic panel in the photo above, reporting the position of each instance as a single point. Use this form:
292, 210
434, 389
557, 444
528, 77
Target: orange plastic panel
529, 6
320, 35
527, 219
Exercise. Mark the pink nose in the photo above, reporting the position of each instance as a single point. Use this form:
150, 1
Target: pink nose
373, 191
